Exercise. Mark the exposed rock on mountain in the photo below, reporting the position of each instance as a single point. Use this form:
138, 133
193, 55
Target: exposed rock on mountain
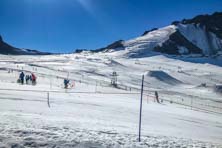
200, 35
10, 50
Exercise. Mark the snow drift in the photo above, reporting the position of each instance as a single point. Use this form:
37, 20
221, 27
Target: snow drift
163, 77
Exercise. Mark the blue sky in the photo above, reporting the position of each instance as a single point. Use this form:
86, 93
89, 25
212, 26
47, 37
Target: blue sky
65, 25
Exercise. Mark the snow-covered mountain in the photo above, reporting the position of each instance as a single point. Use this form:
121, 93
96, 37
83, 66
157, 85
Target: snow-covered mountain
10, 50
93, 113
200, 35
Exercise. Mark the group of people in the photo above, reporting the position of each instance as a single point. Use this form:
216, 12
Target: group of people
32, 79
27, 78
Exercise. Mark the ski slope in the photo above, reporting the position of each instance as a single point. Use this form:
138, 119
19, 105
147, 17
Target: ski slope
93, 114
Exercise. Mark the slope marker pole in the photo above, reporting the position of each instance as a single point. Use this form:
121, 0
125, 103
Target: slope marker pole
141, 104
48, 99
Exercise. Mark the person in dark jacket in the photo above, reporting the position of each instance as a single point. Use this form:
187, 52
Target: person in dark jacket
27, 79
30, 78
157, 97
21, 77
66, 83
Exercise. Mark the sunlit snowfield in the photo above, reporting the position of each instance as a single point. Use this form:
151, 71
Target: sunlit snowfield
94, 114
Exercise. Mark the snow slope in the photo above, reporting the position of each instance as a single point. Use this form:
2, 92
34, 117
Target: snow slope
147, 42
177, 39
93, 114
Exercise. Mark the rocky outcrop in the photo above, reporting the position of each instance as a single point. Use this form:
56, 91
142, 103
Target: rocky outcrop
178, 44
148, 31
199, 35
213, 23
117, 45
7, 49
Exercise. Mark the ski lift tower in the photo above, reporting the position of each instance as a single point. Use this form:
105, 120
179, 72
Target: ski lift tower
114, 79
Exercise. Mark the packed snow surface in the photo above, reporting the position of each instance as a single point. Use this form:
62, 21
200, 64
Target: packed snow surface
141, 46
91, 113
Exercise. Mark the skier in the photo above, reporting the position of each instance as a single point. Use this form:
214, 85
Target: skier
33, 79
21, 77
30, 77
27, 79
157, 97
66, 83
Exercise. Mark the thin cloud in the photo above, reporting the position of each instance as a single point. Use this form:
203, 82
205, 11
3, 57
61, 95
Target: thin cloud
87, 5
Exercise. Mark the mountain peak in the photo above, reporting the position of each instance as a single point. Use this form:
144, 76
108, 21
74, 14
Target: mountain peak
8, 49
199, 35
212, 23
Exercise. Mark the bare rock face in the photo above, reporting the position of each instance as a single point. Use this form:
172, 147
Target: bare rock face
213, 23
5, 48
148, 31
117, 45
177, 40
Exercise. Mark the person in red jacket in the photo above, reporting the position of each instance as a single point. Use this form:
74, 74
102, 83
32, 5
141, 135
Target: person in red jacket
33, 79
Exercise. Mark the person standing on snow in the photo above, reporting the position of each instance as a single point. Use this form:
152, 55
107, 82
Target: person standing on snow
66, 83
30, 78
27, 79
157, 97
21, 77
33, 79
